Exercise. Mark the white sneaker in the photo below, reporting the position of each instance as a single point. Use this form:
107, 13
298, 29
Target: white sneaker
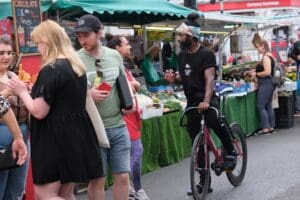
141, 195
131, 192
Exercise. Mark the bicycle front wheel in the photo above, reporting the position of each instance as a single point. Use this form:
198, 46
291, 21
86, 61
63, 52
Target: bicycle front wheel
199, 168
237, 175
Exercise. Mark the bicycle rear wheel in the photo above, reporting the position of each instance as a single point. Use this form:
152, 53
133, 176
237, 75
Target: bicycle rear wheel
199, 166
237, 175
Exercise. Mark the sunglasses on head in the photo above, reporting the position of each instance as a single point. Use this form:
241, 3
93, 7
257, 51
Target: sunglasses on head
98, 68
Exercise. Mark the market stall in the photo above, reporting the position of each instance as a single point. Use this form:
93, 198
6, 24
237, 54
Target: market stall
118, 11
232, 73
121, 12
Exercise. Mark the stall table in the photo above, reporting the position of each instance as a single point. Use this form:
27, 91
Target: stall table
164, 141
242, 109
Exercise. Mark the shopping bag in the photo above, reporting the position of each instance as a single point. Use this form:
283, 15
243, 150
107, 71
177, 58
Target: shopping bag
6, 158
150, 74
96, 121
124, 92
275, 103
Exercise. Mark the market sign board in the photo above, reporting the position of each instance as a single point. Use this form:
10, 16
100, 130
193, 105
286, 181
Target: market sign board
26, 16
247, 5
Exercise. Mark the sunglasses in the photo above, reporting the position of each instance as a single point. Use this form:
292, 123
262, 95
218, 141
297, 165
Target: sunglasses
98, 68
7, 52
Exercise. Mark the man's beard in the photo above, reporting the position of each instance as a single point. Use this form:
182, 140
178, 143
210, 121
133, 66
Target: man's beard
185, 44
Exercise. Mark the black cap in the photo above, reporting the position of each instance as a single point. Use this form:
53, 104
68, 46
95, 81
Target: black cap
87, 23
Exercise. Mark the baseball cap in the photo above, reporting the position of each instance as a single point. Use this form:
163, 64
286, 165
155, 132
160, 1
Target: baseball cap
87, 23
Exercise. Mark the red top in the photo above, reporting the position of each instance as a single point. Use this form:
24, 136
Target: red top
133, 120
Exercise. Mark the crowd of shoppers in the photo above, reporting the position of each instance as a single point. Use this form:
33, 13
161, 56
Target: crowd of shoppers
62, 135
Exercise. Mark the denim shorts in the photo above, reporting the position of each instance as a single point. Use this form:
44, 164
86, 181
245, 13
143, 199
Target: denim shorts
118, 155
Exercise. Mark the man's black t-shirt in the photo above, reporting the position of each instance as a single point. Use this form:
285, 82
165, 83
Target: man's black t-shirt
296, 48
191, 70
296, 52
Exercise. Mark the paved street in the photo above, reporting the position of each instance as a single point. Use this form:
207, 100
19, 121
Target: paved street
273, 173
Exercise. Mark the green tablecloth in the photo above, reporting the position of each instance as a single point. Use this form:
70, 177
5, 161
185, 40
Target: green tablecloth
151, 144
243, 110
164, 141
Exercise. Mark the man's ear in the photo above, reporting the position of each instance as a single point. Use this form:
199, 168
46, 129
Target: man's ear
118, 48
100, 33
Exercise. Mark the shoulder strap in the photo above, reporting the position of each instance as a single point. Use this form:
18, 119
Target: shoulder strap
122, 71
273, 64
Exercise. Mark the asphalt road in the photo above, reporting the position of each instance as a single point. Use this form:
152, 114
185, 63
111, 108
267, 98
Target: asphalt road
273, 173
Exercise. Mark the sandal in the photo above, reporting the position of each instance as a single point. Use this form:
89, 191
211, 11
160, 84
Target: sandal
261, 132
272, 131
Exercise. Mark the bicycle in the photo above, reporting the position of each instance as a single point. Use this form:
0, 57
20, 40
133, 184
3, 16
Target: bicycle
204, 141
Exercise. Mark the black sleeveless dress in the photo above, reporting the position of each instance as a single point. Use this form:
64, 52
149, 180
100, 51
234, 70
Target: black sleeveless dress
64, 145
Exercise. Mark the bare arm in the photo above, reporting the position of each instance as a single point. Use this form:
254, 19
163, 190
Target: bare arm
12, 124
209, 75
18, 146
38, 107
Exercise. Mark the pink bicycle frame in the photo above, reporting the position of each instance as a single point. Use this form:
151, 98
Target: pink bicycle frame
210, 146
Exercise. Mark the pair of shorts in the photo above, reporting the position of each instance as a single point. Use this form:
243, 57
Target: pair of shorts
117, 157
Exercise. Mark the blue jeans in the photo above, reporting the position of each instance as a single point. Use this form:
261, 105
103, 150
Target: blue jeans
136, 163
264, 102
12, 181
118, 155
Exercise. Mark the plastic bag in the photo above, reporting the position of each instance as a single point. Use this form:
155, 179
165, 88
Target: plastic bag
150, 74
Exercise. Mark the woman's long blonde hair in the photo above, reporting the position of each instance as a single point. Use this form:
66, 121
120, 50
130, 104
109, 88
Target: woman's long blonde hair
58, 43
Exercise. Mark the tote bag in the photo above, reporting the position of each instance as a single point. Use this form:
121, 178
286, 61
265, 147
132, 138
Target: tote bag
96, 121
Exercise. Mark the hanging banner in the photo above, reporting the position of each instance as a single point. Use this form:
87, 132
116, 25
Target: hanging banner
5, 27
247, 5
26, 15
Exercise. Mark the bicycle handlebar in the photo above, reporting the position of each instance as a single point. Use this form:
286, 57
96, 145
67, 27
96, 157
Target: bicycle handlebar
193, 108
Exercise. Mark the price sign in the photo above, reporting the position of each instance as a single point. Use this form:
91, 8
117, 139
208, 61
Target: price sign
27, 15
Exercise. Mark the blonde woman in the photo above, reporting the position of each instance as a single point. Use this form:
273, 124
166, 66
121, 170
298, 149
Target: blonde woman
63, 142
266, 88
